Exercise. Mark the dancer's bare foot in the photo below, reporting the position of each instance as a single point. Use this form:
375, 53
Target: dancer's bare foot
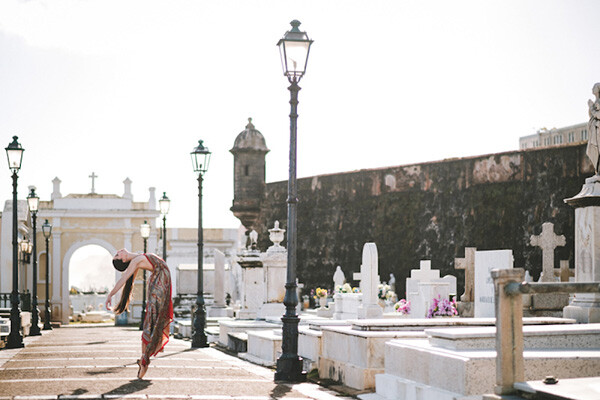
142, 370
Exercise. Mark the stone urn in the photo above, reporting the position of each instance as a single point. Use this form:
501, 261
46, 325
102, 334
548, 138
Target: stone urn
323, 302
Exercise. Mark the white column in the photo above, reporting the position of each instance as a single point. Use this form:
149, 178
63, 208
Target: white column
60, 291
585, 307
6, 249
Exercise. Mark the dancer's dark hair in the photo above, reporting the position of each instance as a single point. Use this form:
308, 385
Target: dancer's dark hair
120, 265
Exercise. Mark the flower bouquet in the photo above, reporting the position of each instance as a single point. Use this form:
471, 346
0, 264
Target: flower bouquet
442, 308
402, 307
321, 295
382, 291
345, 288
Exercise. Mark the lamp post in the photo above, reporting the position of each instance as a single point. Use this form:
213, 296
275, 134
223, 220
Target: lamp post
164, 204
200, 160
47, 231
25, 258
145, 233
33, 201
14, 153
25, 250
294, 48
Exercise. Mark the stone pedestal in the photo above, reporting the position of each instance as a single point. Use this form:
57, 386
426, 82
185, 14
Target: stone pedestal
217, 311
465, 308
253, 287
585, 307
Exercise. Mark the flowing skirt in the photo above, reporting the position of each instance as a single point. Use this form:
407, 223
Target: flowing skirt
159, 309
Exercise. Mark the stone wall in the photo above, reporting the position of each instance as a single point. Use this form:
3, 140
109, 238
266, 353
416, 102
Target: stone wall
430, 211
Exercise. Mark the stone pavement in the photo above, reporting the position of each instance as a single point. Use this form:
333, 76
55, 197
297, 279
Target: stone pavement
93, 362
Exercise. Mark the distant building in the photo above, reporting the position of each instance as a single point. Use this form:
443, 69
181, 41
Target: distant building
555, 137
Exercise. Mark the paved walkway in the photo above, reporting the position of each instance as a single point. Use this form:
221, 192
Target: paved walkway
79, 362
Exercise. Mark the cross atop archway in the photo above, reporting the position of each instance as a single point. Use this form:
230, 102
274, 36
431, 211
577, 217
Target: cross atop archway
93, 176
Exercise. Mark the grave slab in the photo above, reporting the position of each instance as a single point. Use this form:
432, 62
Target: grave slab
264, 347
575, 389
233, 326
416, 366
575, 336
354, 354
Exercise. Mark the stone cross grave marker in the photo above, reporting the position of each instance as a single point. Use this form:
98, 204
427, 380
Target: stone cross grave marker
369, 280
468, 264
424, 273
422, 286
564, 272
548, 241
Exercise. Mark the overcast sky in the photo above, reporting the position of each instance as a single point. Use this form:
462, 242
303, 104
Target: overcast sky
126, 88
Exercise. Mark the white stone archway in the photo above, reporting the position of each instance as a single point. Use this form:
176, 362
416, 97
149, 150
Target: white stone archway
109, 221
66, 265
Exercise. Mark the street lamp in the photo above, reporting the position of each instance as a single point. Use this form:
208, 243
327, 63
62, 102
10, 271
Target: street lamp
200, 160
14, 153
25, 247
164, 204
47, 231
25, 250
145, 233
294, 48
33, 201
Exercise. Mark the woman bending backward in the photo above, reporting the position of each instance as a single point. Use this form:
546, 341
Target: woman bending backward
159, 306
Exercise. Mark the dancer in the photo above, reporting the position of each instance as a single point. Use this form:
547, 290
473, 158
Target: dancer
159, 306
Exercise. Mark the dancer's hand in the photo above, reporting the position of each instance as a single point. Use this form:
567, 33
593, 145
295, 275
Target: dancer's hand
108, 302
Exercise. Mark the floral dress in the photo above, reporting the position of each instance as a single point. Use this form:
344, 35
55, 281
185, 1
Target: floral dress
159, 309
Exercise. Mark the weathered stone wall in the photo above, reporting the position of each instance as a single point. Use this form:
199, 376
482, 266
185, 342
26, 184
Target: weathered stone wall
430, 211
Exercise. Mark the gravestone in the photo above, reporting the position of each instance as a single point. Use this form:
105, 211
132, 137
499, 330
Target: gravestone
369, 280
218, 309
345, 305
564, 273
467, 264
547, 304
219, 294
451, 280
427, 292
465, 302
252, 282
424, 285
547, 241
424, 273
485, 262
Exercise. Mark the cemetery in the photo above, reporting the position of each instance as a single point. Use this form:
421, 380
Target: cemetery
448, 334
438, 332
474, 278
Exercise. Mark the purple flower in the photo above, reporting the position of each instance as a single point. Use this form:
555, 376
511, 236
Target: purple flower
442, 308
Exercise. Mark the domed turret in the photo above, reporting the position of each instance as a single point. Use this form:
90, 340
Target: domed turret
249, 150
